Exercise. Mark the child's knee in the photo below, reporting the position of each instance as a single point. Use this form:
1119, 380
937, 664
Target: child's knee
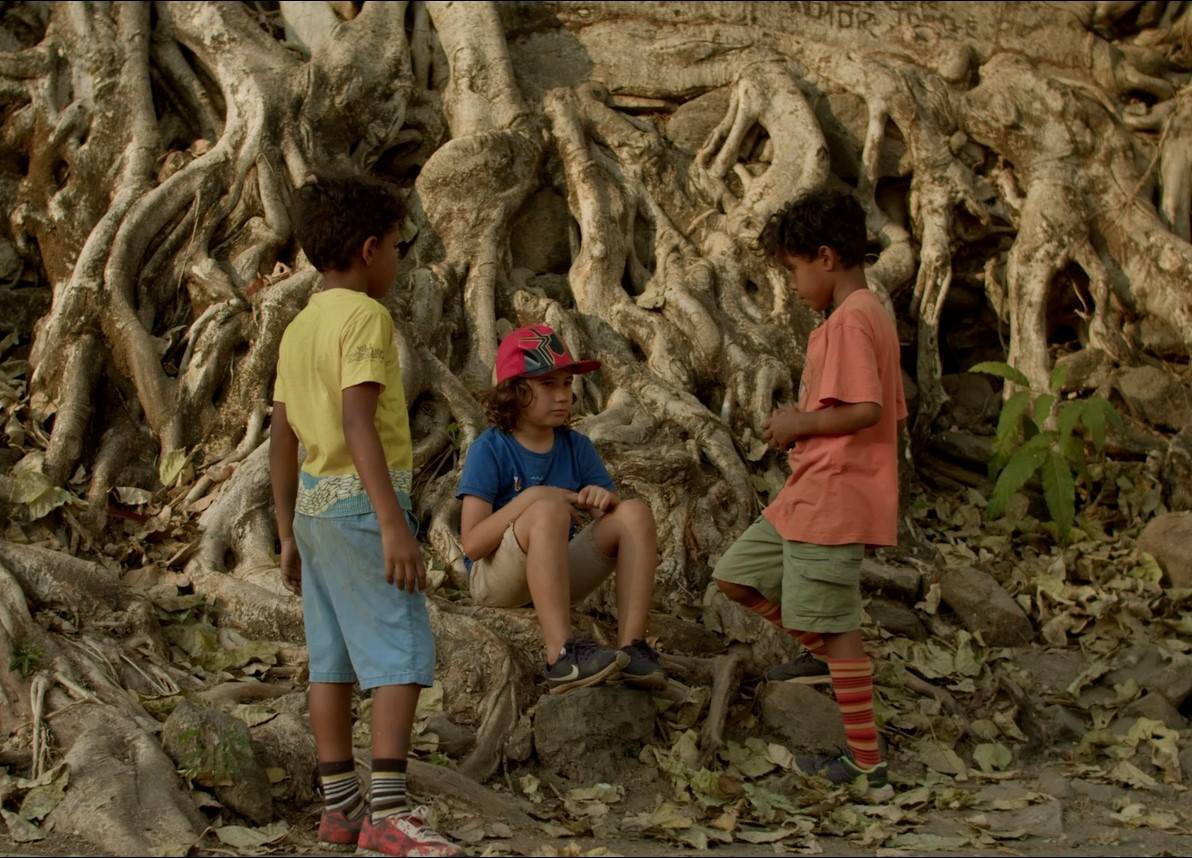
548, 513
636, 514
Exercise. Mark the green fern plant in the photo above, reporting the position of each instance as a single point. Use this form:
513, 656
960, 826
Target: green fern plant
1042, 433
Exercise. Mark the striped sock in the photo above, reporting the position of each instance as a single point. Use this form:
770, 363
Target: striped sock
341, 789
387, 792
852, 682
767, 610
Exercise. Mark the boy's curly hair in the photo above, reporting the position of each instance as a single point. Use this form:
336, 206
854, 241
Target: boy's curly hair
816, 219
335, 214
504, 402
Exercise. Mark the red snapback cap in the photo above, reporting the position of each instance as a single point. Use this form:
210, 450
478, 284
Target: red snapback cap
535, 350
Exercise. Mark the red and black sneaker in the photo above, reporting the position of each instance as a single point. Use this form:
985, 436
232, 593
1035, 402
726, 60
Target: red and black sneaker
403, 834
336, 829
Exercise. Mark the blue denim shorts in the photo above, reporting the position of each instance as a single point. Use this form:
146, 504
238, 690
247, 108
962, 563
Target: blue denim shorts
359, 627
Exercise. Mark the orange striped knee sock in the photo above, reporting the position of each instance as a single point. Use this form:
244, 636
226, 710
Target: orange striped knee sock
766, 609
852, 683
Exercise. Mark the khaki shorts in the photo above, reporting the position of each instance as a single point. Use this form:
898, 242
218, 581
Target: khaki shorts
499, 580
818, 586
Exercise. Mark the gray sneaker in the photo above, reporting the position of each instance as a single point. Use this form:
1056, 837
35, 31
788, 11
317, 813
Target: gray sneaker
643, 669
582, 663
842, 770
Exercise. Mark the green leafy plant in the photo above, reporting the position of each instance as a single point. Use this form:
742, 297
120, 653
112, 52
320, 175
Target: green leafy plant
1039, 432
26, 658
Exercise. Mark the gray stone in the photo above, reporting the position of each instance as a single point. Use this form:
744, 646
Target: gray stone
1051, 670
692, 121
897, 619
454, 741
1155, 707
1168, 538
1039, 820
1156, 396
538, 237
589, 734
1099, 793
899, 582
1053, 783
801, 718
215, 750
1087, 369
1058, 725
1186, 764
1170, 674
973, 400
1176, 473
983, 606
285, 742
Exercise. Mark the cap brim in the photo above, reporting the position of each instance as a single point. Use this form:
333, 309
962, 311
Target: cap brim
578, 367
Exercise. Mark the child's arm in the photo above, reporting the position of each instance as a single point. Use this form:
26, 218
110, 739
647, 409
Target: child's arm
788, 424
283, 473
403, 561
481, 530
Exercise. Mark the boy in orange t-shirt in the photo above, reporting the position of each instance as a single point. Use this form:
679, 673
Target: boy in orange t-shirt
799, 564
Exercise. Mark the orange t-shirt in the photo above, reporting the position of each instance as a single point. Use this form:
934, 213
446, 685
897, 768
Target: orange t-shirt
844, 488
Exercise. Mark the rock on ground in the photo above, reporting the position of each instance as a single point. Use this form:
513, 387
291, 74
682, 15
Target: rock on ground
1169, 674
801, 718
898, 582
896, 618
589, 734
983, 606
215, 750
1168, 538
285, 742
1156, 396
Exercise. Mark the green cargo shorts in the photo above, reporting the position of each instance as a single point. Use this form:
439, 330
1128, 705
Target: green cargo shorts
818, 586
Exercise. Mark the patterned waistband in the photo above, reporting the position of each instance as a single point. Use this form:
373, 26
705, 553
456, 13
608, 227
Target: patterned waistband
344, 494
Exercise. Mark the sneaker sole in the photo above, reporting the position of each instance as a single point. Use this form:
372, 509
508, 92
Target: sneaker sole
610, 672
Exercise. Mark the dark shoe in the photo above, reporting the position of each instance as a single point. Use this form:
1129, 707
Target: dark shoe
583, 663
804, 670
842, 770
643, 669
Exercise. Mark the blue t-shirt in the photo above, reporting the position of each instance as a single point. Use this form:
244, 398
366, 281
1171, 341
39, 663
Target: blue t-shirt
497, 467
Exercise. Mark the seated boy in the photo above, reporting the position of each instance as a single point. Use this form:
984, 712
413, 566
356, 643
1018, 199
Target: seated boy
523, 482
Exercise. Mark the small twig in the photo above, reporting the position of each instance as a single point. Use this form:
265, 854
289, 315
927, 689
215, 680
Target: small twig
938, 694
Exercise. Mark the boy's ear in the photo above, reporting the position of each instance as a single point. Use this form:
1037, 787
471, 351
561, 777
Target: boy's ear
828, 257
369, 249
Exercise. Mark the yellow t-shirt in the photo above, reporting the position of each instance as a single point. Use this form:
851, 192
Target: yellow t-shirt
342, 338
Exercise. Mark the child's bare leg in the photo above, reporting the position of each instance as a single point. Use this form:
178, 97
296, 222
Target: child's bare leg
331, 720
759, 604
845, 645
393, 708
542, 533
629, 534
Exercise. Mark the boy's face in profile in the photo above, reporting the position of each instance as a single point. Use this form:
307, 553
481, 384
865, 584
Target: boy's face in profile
380, 265
550, 404
811, 277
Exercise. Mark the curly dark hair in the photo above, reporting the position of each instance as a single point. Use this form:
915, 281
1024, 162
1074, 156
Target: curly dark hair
335, 214
813, 220
503, 403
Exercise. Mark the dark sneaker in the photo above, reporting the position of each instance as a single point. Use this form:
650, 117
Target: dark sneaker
804, 670
643, 669
336, 829
842, 770
583, 663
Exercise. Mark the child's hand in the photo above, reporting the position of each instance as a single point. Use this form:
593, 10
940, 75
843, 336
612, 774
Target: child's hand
291, 566
595, 498
403, 560
782, 428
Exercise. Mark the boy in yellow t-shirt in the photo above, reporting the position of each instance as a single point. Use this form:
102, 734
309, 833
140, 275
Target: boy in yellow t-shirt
348, 544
